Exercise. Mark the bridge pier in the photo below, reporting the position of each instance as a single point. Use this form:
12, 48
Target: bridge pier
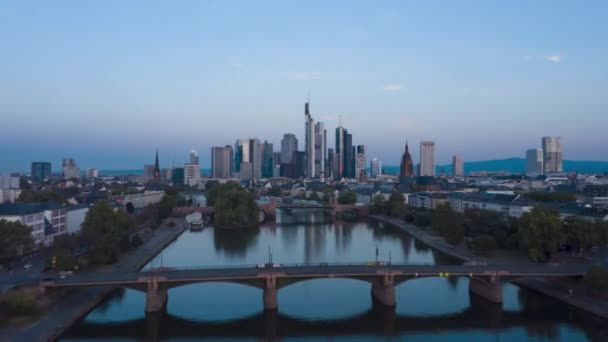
156, 297
383, 291
271, 301
488, 288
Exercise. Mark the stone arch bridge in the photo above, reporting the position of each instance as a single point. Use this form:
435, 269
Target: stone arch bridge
485, 280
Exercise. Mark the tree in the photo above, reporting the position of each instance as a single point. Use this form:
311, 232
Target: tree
19, 302
596, 280
448, 223
347, 197
15, 239
211, 192
102, 230
378, 204
540, 233
395, 206
274, 191
314, 197
580, 234
235, 207
165, 207
483, 244
41, 196
130, 208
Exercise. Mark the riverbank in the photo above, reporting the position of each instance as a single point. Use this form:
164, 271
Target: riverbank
559, 290
80, 302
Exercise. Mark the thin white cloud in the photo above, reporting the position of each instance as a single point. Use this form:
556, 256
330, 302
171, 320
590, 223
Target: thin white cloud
393, 87
553, 58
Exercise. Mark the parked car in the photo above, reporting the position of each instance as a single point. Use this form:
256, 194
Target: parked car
276, 265
261, 266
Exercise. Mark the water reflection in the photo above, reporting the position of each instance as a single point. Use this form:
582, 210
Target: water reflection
479, 316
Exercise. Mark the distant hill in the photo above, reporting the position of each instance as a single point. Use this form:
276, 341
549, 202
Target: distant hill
516, 165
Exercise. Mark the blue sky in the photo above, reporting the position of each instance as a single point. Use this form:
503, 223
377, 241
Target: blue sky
106, 82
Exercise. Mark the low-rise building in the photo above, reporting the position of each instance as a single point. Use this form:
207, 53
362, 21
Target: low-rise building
428, 200
506, 203
140, 200
9, 195
47, 220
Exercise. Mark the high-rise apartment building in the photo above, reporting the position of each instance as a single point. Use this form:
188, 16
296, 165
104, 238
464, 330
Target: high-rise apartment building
457, 166
9, 181
70, 169
221, 162
552, 154
534, 162
92, 173
427, 158
166, 175
276, 164
148, 172
320, 149
375, 167
192, 174
267, 155
177, 176
360, 161
289, 146
309, 142
41, 170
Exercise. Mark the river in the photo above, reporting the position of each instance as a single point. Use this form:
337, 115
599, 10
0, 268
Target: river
428, 309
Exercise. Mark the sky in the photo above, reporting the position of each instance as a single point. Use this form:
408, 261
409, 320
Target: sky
107, 82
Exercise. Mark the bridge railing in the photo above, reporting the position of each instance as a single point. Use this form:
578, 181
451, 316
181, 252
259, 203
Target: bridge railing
277, 265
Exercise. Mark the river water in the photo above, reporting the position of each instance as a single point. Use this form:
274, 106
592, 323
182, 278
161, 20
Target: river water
428, 309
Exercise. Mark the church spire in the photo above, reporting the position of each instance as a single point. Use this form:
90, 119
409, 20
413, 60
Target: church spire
156, 169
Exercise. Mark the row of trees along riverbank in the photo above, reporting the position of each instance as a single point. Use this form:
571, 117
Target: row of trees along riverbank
540, 233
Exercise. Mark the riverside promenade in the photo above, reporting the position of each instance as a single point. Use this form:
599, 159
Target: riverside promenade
78, 303
559, 290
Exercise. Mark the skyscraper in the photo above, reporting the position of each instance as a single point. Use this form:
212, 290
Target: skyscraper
70, 170
407, 165
329, 163
534, 162
427, 158
299, 166
177, 176
221, 162
148, 172
41, 170
289, 145
348, 156
309, 142
320, 149
339, 153
375, 167
193, 157
251, 159
552, 154
457, 166
360, 161
267, 155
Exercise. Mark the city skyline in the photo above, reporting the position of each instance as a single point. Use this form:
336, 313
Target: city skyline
489, 70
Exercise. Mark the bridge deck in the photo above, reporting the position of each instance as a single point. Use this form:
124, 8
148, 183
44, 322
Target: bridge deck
321, 271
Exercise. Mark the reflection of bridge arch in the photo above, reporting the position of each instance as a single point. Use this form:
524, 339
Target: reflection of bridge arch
378, 320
